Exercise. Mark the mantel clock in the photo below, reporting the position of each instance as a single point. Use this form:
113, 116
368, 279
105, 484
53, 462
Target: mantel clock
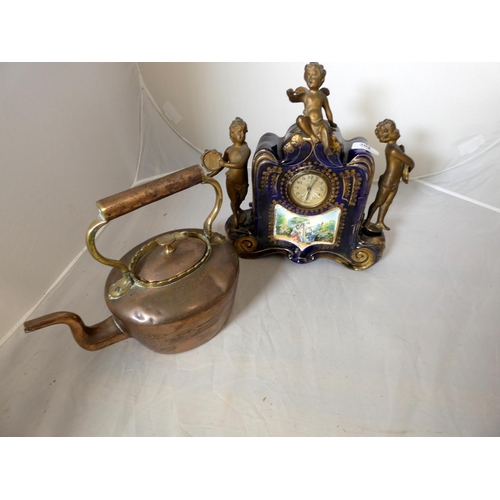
310, 187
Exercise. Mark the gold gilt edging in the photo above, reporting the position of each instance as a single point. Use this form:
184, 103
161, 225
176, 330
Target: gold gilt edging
261, 157
273, 174
364, 161
351, 181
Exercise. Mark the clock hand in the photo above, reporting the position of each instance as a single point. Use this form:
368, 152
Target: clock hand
309, 189
308, 193
314, 182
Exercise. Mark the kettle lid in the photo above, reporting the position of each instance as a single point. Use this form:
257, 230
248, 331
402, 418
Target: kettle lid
170, 257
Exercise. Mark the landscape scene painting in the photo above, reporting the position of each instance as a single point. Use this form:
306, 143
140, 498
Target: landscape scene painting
305, 231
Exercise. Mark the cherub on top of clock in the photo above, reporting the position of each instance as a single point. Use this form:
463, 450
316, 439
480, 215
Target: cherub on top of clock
315, 99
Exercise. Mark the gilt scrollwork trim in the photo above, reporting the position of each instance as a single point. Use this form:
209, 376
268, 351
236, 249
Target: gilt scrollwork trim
270, 177
351, 184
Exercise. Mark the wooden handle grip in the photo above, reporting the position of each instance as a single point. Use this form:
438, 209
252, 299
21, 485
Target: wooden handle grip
127, 201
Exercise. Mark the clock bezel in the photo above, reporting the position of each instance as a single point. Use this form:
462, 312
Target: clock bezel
296, 177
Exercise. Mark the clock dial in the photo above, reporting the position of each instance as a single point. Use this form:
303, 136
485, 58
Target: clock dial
309, 189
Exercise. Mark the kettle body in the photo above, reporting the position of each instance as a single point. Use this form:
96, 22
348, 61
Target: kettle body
182, 315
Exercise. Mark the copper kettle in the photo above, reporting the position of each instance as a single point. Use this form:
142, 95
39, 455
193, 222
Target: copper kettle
171, 293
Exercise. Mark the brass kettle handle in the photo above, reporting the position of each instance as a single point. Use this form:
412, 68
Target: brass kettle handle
127, 201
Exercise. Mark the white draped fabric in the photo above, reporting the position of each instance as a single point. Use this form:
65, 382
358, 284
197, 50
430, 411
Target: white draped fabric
408, 347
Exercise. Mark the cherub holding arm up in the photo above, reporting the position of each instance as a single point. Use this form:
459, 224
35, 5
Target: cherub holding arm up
399, 166
315, 100
236, 160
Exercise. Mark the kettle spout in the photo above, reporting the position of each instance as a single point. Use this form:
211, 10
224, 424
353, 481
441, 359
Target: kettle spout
91, 338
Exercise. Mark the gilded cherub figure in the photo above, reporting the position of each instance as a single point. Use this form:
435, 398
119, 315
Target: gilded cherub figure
399, 166
315, 99
235, 159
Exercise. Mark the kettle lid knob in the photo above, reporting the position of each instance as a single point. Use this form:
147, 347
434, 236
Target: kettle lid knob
166, 241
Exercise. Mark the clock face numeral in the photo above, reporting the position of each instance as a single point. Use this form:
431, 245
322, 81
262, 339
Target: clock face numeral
309, 190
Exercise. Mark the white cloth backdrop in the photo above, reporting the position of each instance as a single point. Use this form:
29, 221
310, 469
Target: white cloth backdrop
162, 149
407, 348
69, 134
